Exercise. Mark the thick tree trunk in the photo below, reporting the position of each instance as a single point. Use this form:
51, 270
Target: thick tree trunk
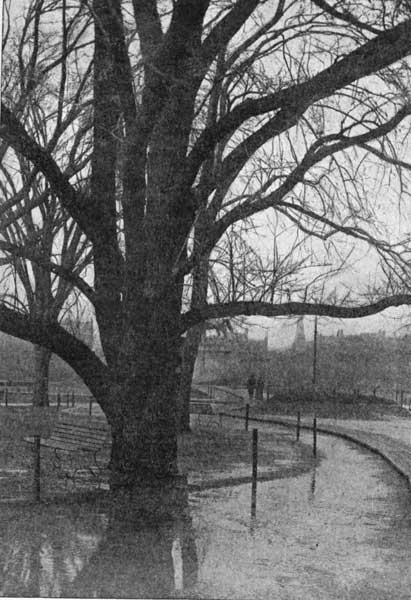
143, 395
190, 352
144, 441
42, 357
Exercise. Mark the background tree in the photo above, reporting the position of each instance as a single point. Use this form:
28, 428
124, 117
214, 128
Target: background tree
35, 290
38, 239
332, 96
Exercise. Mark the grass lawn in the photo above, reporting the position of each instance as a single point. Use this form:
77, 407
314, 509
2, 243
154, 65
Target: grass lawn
203, 452
340, 406
206, 450
14, 451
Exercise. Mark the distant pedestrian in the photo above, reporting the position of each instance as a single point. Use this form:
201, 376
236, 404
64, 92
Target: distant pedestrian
259, 389
251, 384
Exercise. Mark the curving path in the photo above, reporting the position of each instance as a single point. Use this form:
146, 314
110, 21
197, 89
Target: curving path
368, 434
389, 438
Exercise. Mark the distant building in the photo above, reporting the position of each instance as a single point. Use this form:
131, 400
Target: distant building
234, 354
299, 340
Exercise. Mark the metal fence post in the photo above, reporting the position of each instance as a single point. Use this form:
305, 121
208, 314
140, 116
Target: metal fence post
247, 413
298, 425
37, 468
254, 473
90, 405
315, 436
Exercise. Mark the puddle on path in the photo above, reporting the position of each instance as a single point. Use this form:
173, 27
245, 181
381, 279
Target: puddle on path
342, 531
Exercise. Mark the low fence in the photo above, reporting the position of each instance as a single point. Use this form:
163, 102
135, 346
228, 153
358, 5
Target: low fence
403, 398
19, 396
240, 393
238, 396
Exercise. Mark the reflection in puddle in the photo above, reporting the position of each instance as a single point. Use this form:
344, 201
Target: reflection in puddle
98, 552
339, 531
312, 484
139, 558
342, 531
43, 548
13, 472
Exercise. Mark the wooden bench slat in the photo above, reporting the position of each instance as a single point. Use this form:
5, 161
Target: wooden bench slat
80, 436
70, 437
77, 441
85, 428
60, 445
65, 444
76, 449
81, 432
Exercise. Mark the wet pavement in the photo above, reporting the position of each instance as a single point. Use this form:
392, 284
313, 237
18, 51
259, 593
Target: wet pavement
390, 438
341, 530
279, 456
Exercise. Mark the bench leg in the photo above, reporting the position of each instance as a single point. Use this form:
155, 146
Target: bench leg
96, 469
73, 466
57, 460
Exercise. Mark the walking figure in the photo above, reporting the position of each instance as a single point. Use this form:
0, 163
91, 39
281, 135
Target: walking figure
251, 383
259, 389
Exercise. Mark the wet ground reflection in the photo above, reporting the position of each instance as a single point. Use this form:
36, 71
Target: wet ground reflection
43, 548
139, 557
339, 531
96, 551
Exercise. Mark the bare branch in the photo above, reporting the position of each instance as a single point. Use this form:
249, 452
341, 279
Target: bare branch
266, 309
346, 16
381, 51
320, 149
13, 132
51, 335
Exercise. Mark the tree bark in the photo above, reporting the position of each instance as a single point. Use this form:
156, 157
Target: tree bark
42, 357
190, 352
144, 441
143, 395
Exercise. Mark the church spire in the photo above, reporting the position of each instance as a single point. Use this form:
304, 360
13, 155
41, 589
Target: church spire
299, 340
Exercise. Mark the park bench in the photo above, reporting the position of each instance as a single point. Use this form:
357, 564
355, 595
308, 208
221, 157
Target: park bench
77, 449
204, 409
200, 407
